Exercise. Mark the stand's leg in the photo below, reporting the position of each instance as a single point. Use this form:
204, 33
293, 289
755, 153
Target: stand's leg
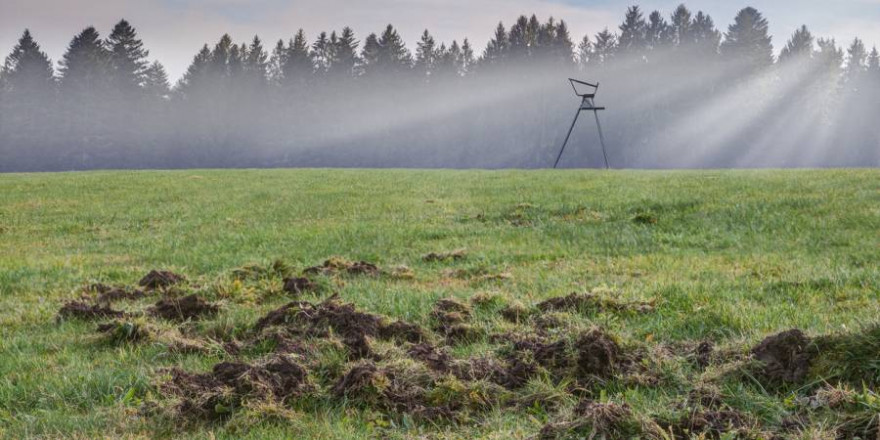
601, 138
576, 115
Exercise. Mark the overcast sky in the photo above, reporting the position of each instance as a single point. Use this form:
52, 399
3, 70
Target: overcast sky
174, 30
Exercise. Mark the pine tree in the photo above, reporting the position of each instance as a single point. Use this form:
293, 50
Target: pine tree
297, 67
874, 63
219, 64
856, 60
197, 75
468, 58
748, 41
370, 53
829, 55
84, 66
344, 54
156, 83
497, 49
800, 46
604, 48
393, 56
127, 59
585, 52
633, 33
27, 88
518, 38
426, 56
256, 64
658, 33
680, 27
322, 53
704, 36
563, 47
27, 70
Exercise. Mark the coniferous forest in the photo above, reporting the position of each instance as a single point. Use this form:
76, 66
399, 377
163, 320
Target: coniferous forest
681, 91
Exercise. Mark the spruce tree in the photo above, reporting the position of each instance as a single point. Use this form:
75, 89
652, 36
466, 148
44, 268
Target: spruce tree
344, 54
322, 53
393, 56
218, 67
84, 66
800, 46
426, 56
468, 58
127, 59
256, 64
563, 47
27, 89
874, 63
518, 38
604, 48
633, 33
704, 36
370, 54
658, 32
297, 67
197, 75
680, 26
156, 83
856, 60
747, 40
585, 52
497, 49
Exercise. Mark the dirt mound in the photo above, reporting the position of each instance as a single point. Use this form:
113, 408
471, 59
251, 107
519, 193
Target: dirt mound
784, 357
81, 310
159, 279
708, 424
598, 354
433, 357
334, 266
458, 254
299, 285
120, 332
551, 355
218, 393
589, 302
515, 312
595, 420
403, 332
190, 307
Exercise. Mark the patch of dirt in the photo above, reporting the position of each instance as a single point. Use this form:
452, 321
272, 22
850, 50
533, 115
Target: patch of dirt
458, 254
434, 358
784, 357
121, 332
390, 389
160, 279
515, 313
402, 331
218, 393
334, 266
598, 354
708, 424
299, 285
589, 302
190, 307
703, 353
551, 355
81, 310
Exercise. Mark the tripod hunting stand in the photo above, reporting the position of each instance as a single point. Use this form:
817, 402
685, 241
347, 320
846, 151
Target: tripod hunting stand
586, 104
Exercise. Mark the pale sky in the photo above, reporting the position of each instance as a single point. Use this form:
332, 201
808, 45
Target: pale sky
174, 30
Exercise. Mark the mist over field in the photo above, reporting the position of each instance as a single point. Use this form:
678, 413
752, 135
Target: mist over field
680, 93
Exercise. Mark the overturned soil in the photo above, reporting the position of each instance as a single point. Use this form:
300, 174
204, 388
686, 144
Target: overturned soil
159, 279
589, 302
299, 285
334, 266
81, 310
190, 307
784, 358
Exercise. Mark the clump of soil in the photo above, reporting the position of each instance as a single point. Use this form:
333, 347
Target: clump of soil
218, 393
81, 310
120, 332
338, 265
299, 285
451, 317
784, 358
707, 424
393, 389
458, 254
595, 420
554, 356
434, 358
160, 279
598, 354
589, 302
181, 309
402, 331
703, 353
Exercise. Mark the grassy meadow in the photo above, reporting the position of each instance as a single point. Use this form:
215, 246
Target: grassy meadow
727, 257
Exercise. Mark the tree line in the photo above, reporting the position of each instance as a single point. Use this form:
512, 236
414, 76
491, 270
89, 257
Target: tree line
337, 101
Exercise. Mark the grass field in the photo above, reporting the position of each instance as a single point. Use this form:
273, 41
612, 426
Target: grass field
727, 257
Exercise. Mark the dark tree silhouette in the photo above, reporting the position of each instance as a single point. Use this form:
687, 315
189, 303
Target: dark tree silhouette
748, 41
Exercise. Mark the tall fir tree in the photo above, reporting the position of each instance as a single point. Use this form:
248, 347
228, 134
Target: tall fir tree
874, 63
344, 55
393, 56
468, 57
518, 38
256, 63
84, 66
370, 54
156, 84
584, 52
297, 67
856, 60
604, 48
426, 56
563, 47
27, 90
658, 34
748, 41
680, 26
633, 33
197, 75
704, 36
127, 59
322, 52
498, 47
799, 46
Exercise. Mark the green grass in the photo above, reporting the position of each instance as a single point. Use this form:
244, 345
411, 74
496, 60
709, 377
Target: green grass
729, 256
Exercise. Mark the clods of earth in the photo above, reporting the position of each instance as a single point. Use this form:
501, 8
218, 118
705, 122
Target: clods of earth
317, 347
